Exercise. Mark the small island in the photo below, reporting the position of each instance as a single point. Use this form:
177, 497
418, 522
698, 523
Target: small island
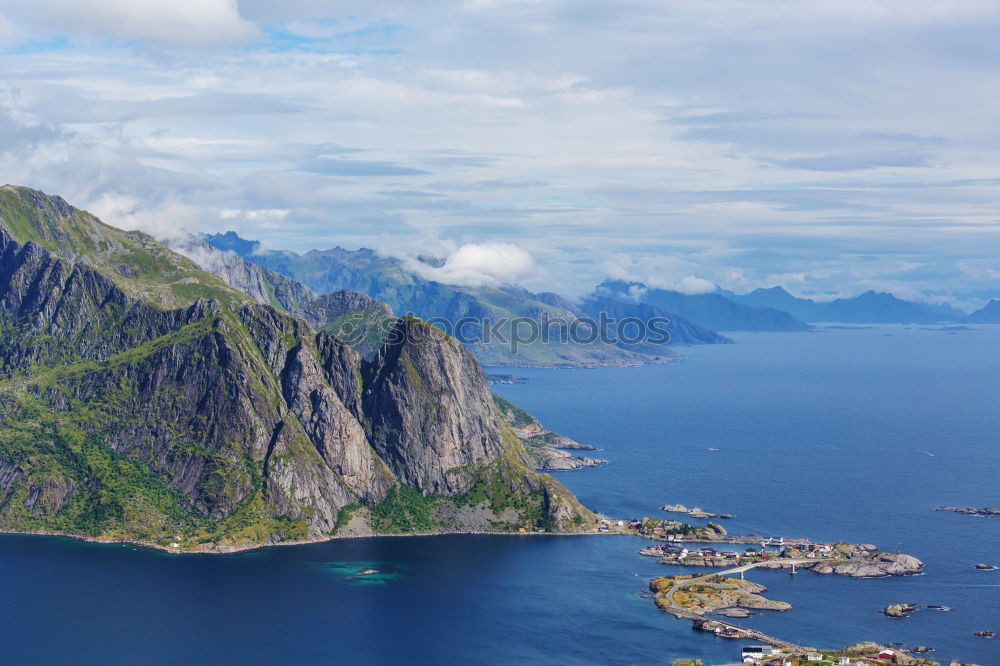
710, 594
694, 512
505, 379
971, 511
899, 610
854, 560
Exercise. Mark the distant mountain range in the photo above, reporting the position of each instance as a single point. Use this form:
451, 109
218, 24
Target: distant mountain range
871, 307
988, 314
387, 279
290, 280
714, 310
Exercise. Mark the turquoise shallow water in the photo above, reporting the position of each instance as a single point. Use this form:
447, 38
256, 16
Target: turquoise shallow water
365, 573
841, 434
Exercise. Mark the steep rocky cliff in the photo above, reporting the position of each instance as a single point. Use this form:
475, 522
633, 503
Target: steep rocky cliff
144, 399
356, 318
261, 284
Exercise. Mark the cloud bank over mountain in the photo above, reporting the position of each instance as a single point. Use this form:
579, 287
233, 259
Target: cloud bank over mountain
479, 265
830, 146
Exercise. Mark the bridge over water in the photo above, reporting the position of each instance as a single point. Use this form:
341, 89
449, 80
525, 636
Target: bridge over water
684, 613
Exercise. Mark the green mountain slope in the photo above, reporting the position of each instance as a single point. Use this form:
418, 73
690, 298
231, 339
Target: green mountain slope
144, 399
137, 264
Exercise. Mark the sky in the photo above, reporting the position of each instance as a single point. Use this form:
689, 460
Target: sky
831, 146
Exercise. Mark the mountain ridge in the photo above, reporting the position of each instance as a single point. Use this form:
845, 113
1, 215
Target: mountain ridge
988, 314
869, 307
143, 399
712, 310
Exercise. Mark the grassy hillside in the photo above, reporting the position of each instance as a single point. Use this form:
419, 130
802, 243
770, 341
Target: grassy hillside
139, 265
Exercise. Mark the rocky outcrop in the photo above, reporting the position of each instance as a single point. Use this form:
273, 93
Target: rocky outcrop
261, 284
694, 512
58, 312
553, 460
557, 441
899, 610
971, 511
330, 307
429, 411
364, 323
505, 379
544, 447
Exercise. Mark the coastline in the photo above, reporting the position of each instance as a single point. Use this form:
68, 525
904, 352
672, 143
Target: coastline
235, 550
488, 365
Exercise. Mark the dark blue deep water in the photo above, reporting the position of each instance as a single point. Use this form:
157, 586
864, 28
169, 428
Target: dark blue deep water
841, 434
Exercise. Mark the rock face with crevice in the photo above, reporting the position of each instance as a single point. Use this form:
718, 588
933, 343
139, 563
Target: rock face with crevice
432, 413
142, 398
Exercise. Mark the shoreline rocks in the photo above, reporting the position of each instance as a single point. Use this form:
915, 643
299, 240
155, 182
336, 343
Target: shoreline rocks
971, 511
694, 512
543, 447
899, 610
505, 379
558, 441
559, 461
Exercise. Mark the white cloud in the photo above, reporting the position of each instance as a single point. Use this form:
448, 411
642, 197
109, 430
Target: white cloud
636, 292
173, 23
8, 32
686, 285
479, 265
273, 215
692, 285
637, 139
168, 221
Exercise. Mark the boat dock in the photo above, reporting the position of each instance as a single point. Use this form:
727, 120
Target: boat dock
730, 630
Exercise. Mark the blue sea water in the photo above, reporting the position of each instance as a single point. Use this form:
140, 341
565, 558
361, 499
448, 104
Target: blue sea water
839, 434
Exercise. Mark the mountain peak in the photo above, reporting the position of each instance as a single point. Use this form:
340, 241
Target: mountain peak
232, 242
138, 264
777, 290
988, 314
